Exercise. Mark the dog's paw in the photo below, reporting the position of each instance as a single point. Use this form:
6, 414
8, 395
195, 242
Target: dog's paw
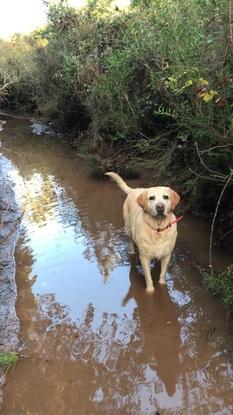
150, 289
162, 282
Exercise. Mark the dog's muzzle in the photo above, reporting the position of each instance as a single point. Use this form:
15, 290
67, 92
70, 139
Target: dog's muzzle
160, 209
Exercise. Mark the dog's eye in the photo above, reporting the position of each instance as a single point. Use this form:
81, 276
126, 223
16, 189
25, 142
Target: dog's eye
152, 198
165, 197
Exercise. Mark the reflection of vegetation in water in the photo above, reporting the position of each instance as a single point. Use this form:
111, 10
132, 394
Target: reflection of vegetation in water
124, 360
8, 360
39, 197
121, 356
102, 245
96, 346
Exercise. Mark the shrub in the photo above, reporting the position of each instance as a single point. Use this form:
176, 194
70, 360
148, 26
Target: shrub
154, 79
8, 360
221, 284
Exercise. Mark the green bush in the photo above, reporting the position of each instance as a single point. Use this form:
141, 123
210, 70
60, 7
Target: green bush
8, 360
221, 285
16, 72
153, 80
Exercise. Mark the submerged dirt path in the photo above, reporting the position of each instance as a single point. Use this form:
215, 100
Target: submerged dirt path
94, 342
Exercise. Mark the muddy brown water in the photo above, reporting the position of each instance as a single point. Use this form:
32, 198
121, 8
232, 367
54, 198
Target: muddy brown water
93, 342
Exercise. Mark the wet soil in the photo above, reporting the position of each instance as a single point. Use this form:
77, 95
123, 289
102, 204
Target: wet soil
93, 341
9, 230
9, 226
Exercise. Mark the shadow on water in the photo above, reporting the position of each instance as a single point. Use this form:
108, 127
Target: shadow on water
93, 341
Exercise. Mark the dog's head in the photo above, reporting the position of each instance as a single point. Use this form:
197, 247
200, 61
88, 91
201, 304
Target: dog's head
158, 201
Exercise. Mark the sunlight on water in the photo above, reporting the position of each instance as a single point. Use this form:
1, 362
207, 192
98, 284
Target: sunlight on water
56, 241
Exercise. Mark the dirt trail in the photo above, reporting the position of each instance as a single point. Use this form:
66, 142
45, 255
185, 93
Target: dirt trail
94, 342
9, 226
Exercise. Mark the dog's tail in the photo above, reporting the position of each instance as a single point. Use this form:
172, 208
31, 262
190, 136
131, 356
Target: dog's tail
121, 183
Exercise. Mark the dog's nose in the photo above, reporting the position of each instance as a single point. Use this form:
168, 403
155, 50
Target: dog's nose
160, 207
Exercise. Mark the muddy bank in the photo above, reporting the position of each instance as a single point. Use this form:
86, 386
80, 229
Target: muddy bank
9, 230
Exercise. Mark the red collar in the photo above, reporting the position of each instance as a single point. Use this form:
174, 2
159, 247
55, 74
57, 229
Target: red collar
168, 226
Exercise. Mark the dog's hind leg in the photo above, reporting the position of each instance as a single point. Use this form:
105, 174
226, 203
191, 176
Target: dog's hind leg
127, 229
131, 242
131, 247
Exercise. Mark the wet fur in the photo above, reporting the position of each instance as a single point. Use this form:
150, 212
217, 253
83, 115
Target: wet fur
142, 221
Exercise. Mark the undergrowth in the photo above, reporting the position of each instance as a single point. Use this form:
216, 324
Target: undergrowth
147, 86
220, 283
8, 361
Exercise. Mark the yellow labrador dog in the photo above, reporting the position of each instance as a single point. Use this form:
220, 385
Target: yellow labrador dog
151, 224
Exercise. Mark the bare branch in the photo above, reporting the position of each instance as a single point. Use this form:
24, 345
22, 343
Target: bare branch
127, 100
210, 178
213, 148
230, 23
214, 218
226, 234
216, 174
6, 86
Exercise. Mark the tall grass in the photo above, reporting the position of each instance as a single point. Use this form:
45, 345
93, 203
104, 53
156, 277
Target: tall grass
8, 361
220, 283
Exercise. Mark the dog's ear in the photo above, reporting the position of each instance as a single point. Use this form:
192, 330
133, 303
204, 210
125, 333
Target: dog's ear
142, 200
175, 198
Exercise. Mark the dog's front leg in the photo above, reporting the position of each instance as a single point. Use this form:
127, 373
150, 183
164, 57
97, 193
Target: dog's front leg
146, 268
164, 264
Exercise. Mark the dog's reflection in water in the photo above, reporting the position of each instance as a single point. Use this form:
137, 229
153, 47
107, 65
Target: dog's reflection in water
158, 317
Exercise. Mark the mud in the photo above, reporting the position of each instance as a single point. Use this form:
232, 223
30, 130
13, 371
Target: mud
93, 341
9, 226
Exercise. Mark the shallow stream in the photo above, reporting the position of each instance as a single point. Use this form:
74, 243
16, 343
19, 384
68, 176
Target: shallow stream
93, 341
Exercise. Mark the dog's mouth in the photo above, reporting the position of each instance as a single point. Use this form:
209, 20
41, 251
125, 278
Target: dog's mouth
160, 215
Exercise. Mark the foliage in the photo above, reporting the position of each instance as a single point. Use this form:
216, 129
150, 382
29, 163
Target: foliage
154, 79
221, 285
18, 83
8, 360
